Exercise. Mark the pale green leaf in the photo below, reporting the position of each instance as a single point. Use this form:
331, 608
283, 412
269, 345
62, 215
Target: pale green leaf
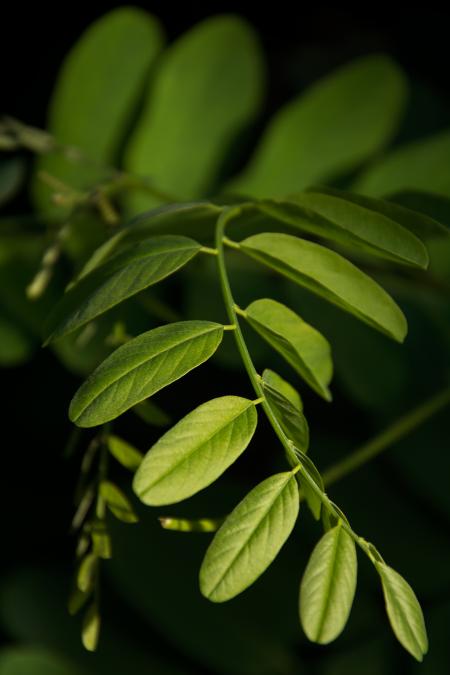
129, 272
404, 611
329, 130
141, 367
331, 276
125, 453
96, 94
207, 88
87, 573
303, 347
196, 451
250, 538
290, 418
90, 631
420, 165
272, 379
117, 502
336, 216
328, 586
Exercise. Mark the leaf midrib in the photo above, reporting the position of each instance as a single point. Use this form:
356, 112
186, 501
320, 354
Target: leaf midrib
329, 582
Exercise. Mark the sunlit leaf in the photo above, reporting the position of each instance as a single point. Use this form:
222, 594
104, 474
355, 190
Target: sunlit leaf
142, 367
328, 586
196, 451
331, 276
250, 538
330, 129
404, 612
124, 452
208, 87
336, 216
134, 269
117, 502
303, 347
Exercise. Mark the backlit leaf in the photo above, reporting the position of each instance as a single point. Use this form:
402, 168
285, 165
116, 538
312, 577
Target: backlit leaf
250, 538
196, 451
303, 347
331, 276
141, 367
328, 586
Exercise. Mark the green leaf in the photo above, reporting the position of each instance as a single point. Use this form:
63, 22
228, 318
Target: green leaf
87, 573
196, 451
329, 130
250, 538
117, 502
91, 628
195, 218
404, 612
101, 540
420, 165
12, 175
131, 271
328, 586
124, 452
331, 276
35, 660
312, 499
191, 525
290, 418
152, 414
275, 381
412, 215
77, 600
16, 344
207, 88
338, 216
97, 92
303, 347
141, 367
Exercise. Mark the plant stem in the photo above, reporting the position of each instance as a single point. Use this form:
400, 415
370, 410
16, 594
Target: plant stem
395, 432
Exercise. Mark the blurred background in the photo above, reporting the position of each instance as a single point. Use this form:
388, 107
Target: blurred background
153, 616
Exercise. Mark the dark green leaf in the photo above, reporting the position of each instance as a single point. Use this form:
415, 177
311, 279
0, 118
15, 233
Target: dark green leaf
404, 612
290, 418
117, 502
331, 276
142, 367
303, 347
421, 165
134, 269
328, 586
332, 128
250, 538
208, 87
335, 216
124, 452
196, 451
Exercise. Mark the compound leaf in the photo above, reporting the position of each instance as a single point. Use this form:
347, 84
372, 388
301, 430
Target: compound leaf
196, 451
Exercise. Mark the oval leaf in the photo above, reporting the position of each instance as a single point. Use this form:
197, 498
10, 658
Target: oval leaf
303, 347
117, 502
124, 452
90, 630
133, 270
331, 276
207, 89
336, 217
271, 379
250, 538
333, 127
404, 612
196, 451
97, 91
328, 586
291, 419
142, 367
312, 499
87, 573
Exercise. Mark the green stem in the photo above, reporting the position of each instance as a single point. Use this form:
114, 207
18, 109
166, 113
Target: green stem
398, 430
255, 379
